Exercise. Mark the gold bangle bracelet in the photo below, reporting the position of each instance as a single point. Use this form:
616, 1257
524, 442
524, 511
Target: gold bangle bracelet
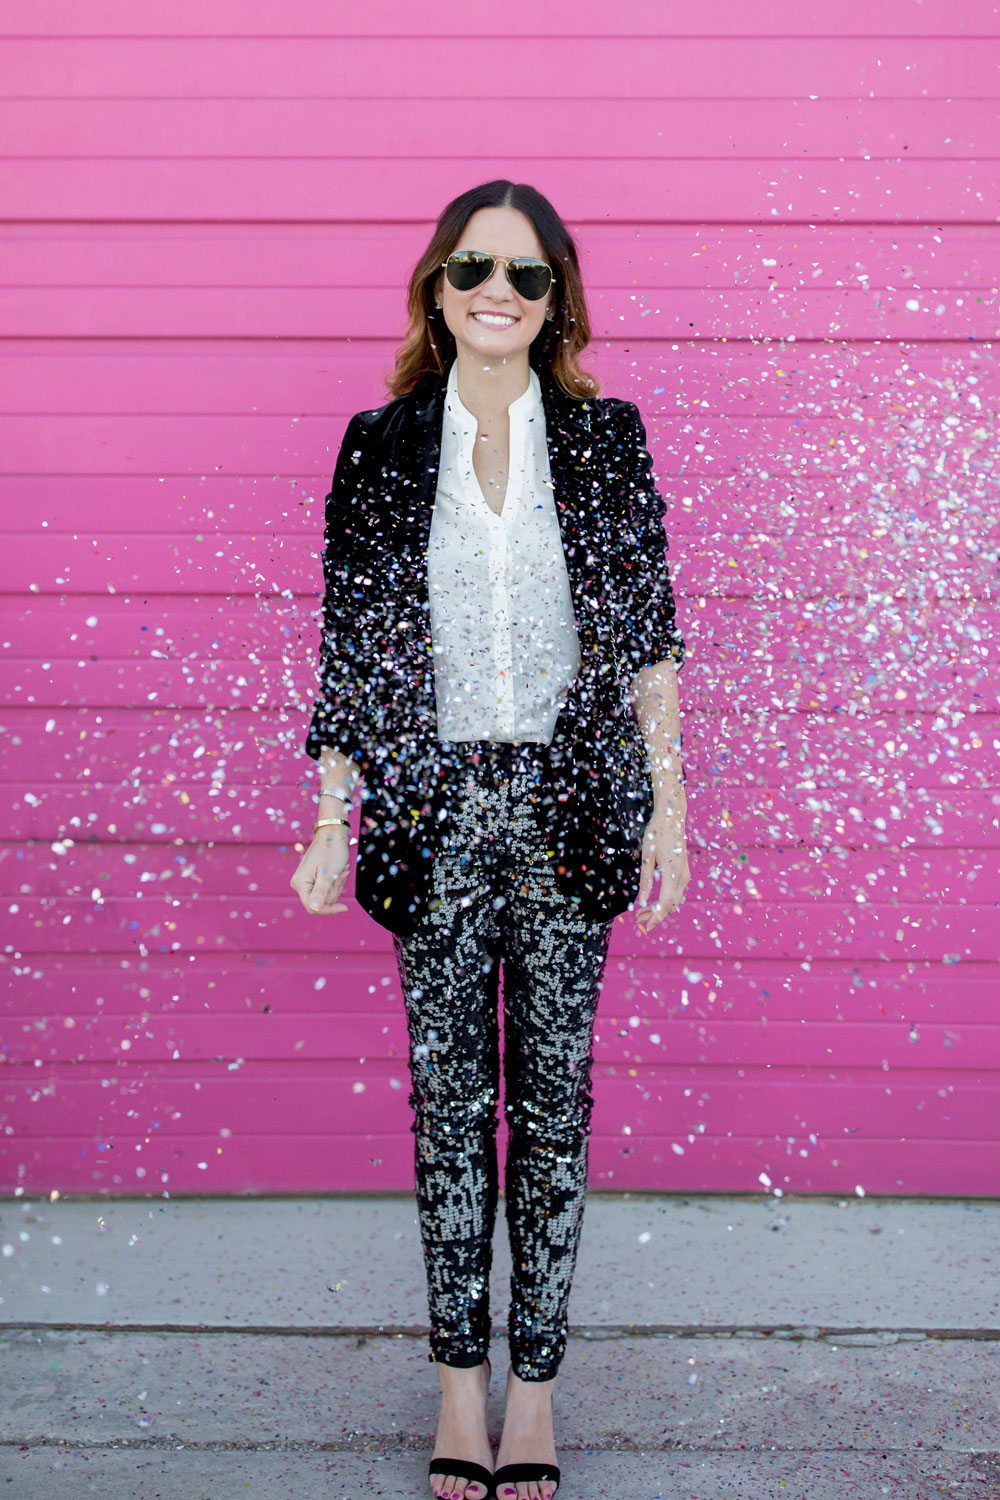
329, 822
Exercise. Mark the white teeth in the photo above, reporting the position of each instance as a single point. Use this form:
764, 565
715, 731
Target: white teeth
495, 320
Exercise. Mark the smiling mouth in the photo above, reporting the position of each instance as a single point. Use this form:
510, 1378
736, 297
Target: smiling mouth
495, 320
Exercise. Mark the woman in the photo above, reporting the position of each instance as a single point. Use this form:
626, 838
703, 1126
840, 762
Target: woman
498, 627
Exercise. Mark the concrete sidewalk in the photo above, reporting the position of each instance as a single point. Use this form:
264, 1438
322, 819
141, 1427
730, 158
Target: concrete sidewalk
207, 1348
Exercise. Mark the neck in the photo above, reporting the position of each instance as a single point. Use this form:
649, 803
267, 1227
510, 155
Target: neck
489, 386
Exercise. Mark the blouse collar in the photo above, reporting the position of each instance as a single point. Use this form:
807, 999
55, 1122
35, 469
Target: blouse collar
526, 405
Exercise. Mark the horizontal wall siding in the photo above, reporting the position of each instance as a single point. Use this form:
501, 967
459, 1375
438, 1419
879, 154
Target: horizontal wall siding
788, 218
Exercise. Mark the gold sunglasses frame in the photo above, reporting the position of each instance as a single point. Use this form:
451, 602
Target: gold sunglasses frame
505, 261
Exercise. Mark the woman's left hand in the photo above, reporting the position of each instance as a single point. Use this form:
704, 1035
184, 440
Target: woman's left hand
664, 851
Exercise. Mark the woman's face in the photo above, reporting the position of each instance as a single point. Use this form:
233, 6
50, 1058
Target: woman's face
492, 320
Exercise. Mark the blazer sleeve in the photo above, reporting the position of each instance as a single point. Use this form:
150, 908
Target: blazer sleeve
647, 615
336, 720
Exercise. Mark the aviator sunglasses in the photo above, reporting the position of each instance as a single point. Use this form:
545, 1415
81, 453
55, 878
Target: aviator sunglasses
467, 269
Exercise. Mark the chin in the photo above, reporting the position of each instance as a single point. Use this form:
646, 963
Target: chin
488, 349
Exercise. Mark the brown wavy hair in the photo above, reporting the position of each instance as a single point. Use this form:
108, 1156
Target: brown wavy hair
429, 345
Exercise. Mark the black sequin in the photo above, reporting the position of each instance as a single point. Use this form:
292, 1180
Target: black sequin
376, 700
495, 902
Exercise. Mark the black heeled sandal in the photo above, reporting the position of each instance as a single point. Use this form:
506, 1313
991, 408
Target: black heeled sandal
464, 1468
524, 1474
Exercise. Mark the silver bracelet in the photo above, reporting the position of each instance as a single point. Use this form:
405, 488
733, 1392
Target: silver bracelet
345, 799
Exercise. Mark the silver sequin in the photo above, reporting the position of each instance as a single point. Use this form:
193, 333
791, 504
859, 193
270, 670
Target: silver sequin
496, 901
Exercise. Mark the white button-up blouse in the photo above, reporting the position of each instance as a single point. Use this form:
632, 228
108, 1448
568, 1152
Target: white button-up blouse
503, 633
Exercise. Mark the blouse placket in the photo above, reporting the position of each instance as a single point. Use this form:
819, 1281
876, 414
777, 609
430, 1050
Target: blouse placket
508, 549
500, 526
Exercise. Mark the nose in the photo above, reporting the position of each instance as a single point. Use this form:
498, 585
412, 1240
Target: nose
498, 286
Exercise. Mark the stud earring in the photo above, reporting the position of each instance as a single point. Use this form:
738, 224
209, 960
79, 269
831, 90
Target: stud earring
550, 315
439, 305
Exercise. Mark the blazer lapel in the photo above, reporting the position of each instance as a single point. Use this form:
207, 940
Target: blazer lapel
423, 460
574, 458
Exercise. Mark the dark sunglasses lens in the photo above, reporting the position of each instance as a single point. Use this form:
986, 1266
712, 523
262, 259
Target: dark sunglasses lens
530, 279
467, 270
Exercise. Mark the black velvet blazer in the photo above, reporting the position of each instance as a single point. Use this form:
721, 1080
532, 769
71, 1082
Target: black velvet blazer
376, 695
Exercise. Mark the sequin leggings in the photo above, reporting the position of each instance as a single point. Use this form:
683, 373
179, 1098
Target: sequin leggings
495, 900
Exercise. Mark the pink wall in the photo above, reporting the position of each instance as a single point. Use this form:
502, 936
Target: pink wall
788, 215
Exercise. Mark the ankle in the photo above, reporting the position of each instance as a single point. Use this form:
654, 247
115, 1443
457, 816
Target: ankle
534, 1389
459, 1382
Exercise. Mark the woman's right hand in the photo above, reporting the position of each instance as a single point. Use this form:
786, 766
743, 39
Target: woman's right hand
323, 870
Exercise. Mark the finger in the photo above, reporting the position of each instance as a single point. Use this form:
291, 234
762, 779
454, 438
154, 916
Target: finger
653, 915
314, 895
649, 917
671, 898
336, 888
332, 901
302, 886
667, 902
653, 875
322, 893
328, 904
